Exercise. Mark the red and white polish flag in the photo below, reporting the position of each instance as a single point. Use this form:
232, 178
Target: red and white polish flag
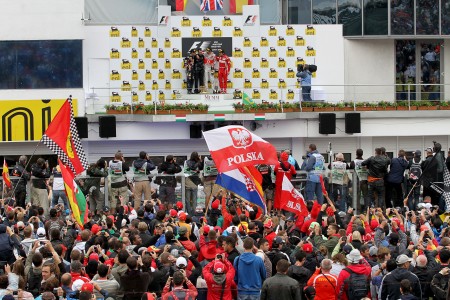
291, 199
232, 147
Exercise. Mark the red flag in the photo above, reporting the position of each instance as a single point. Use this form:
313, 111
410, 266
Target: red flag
62, 138
5, 174
322, 184
177, 5
236, 5
292, 200
234, 147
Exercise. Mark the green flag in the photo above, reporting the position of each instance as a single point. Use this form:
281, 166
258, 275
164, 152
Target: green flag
246, 100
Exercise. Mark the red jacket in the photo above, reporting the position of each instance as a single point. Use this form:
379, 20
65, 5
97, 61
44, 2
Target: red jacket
188, 245
214, 288
322, 284
289, 171
342, 286
227, 217
209, 247
270, 237
192, 291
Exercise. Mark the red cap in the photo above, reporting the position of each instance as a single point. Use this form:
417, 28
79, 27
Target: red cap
93, 256
87, 287
110, 262
374, 224
179, 205
268, 224
307, 248
173, 213
206, 229
182, 216
284, 156
219, 267
95, 229
215, 204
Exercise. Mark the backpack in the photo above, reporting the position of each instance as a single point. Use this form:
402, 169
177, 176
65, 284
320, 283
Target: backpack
357, 285
274, 257
415, 171
53, 225
34, 282
179, 295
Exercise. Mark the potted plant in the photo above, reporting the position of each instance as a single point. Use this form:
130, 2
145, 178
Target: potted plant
344, 106
290, 107
238, 107
427, 105
125, 108
444, 105
323, 106
266, 107
386, 105
163, 109
402, 105
366, 106
199, 108
307, 106
138, 109
149, 109
111, 109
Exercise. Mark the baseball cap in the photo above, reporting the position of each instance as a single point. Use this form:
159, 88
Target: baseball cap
219, 267
173, 213
347, 249
182, 216
278, 240
87, 287
93, 256
179, 205
401, 259
206, 229
307, 248
418, 152
20, 225
181, 262
268, 224
40, 232
373, 251
95, 229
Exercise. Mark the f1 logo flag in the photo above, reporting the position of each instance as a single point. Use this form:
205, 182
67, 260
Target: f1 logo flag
233, 147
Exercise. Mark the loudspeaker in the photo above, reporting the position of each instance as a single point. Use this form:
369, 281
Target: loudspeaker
327, 123
352, 123
107, 126
195, 131
82, 127
208, 126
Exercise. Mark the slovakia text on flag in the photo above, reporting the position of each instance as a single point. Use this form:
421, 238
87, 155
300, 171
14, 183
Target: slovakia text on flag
242, 185
292, 200
232, 147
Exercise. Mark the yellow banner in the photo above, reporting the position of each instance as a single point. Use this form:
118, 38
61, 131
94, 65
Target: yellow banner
27, 120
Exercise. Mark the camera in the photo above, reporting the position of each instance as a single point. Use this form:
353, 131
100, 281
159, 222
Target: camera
219, 256
300, 68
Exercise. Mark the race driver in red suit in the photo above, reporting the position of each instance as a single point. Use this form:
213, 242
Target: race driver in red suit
224, 70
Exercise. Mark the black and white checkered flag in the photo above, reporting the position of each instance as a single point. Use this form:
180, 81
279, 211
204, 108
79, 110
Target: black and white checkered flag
61, 142
446, 193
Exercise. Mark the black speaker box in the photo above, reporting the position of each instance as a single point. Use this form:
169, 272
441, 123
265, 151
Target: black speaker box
208, 126
327, 123
195, 131
82, 127
352, 123
107, 126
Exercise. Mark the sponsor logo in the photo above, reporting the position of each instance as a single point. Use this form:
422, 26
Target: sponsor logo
196, 32
206, 22
148, 75
114, 54
247, 84
243, 158
176, 74
134, 97
272, 31
281, 63
175, 32
161, 53
154, 43
264, 84
300, 61
134, 75
125, 43
161, 96
148, 96
229, 84
176, 53
290, 94
115, 75
227, 21
290, 73
264, 63
310, 30
250, 20
114, 32
241, 138
273, 73
247, 63
167, 43
281, 83
154, 85
290, 52
148, 53
161, 74
264, 42
141, 86
299, 41
237, 73
134, 32
290, 30
273, 95
147, 32
168, 85
256, 94
281, 41
273, 52
154, 64
141, 43
247, 42
255, 73
125, 65
167, 64
237, 31
164, 21
134, 53
310, 51
237, 52
217, 32
115, 97
141, 64
255, 52
185, 22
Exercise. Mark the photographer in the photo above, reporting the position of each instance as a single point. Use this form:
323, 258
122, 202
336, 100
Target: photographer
305, 75
119, 185
142, 168
178, 292
219, 275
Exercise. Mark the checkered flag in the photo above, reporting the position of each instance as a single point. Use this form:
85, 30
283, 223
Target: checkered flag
446, 193
62, 138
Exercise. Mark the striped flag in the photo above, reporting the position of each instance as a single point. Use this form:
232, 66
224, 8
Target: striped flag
219, 117
207, 5
292, 200
236, 5
76, 198
5, 174
246, 100
177, 5
260, 117
180, 118
62, 138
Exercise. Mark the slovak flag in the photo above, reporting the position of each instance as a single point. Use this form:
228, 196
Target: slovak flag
207, 5
241, 183
291, 199
232, 147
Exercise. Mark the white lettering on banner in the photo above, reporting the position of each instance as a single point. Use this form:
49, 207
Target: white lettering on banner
212, 98
243, 158
293, 205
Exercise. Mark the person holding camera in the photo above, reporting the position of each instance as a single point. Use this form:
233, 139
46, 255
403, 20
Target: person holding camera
178, 291
219, 275
119, 184
168, 183
39, 193
142, 168
305, 80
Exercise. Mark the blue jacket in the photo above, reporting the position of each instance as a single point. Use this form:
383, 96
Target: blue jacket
398, 167
305, 77
250, 273
308, 166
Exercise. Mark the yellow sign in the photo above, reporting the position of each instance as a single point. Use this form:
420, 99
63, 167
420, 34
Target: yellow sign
273, 95
176, 53
114, 54
273, 52
141, 64
229, 84
175, 32
290, 95
27, 120
134, 32
161, 96
168, 85
154, 43
115, 97
161, 74
154, 64
135, 97
300, 41
185, 22
114, 32
206, 22
247, 84
256, 94
126, 86
273, 73
134, 75
155, 85
281, 83
310, 51
237, 31
141, 86
281, 63
115, 75
247, 42
227, 21
167, 64
290, 73
255, 73
196, 32
141, 43
281, 41
238, 73
148, 75
167, 43
247, 63
255, 52
272, 31
176, 74
290, 30
237, 52
264, 63
264, 42
161, 53
290, 52
125, 43
309, 30
134, 53
264, 84
148, 96
148, 54
147, 32
217, 32
126, 65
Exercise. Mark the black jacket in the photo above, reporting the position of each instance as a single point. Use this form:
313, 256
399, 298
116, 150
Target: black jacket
429, 169
301, 274
134, 283
168, 168
425, 276
377, 166
41, 175
390, 286
18, 171
280, 286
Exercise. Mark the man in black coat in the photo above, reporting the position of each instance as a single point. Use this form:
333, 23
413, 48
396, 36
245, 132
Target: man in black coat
21, 185
134, 282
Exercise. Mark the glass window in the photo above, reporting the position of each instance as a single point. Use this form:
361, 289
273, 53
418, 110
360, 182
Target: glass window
324, 11
445, 17
405, 63
41, 64
427, 21
299, 12
375, 17
349, 14
430, 70
402, 17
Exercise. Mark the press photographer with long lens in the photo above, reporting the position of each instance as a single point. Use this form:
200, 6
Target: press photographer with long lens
305, 76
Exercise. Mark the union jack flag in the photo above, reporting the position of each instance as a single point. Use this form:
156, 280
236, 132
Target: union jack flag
207, 5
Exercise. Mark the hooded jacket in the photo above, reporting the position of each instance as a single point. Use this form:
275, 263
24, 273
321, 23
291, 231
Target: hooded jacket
6, 246
390, 286
215, 281
376, 166
342, 285
250, 273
